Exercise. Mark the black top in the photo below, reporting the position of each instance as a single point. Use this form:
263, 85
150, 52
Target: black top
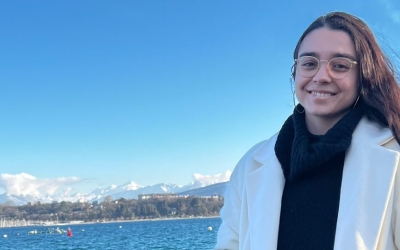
313, 168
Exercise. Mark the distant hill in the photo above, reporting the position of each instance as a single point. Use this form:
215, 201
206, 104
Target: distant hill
215, 189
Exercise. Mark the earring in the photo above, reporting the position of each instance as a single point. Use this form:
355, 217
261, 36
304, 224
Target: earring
294, 102
355, 104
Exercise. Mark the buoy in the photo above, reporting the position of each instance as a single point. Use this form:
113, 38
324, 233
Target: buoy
209, 228
83, 230
120, 226
5, 236
69, 232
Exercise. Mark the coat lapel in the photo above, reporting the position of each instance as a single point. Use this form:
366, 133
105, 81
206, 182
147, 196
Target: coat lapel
367, 183
368, 178
264, 188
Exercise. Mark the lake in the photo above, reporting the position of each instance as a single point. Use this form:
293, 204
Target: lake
156, 234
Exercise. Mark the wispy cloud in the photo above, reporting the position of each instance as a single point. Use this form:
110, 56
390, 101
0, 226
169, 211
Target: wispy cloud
392, 9
26, 184
212, 179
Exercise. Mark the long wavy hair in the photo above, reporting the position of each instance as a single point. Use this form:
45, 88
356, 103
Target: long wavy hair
378, 86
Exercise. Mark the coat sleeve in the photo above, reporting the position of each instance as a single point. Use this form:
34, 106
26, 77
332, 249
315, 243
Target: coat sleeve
396, 210
232, 229
393, 145
228, 232
232, 223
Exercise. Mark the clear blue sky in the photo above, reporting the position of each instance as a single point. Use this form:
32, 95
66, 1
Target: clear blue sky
151, 91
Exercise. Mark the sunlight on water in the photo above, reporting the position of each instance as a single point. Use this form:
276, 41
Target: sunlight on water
163, 234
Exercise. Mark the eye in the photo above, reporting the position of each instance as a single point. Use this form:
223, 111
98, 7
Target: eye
340, 64
308, 63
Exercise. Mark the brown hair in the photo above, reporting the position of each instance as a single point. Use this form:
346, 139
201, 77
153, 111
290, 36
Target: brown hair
379, 90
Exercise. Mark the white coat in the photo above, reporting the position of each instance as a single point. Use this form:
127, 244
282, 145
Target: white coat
369, 210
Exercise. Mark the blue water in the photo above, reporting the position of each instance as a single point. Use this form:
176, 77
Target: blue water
165, 234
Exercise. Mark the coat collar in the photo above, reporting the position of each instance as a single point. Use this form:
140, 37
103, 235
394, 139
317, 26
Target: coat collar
366, 186
372, 133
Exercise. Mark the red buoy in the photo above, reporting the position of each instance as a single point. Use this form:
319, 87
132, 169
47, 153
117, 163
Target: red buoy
69, 232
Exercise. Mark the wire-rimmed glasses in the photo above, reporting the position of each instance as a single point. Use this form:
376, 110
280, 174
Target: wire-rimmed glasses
338, 67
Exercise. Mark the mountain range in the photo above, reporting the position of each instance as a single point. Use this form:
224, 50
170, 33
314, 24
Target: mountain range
129, 190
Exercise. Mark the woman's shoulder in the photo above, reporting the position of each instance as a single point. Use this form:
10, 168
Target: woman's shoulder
371, 132
256, 156
253, 159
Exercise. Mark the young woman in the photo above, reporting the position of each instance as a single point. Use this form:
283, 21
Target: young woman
330, 179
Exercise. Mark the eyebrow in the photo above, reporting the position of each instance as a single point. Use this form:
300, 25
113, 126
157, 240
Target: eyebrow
334, 55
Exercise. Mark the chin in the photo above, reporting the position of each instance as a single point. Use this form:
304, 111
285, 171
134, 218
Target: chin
326, 112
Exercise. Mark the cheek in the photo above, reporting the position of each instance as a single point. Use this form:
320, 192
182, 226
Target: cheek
354, 83
298, 86
299, 83
355, 90
352, 88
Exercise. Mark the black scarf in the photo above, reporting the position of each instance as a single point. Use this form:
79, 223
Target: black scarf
298, 156
313, 168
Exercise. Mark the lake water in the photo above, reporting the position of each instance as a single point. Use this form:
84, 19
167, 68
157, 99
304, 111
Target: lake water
157, 234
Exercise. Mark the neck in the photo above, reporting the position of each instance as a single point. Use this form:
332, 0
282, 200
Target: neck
319, 125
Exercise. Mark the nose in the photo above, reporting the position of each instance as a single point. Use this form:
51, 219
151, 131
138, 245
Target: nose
322, 74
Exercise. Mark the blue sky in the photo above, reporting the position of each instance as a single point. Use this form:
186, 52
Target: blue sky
151, 91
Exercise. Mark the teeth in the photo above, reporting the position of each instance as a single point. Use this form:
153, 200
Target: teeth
320, 94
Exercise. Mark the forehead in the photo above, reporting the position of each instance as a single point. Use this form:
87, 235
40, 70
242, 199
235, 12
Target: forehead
324, 42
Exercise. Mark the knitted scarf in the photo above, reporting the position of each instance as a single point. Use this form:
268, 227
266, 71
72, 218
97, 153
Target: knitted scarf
313, 168
298, 156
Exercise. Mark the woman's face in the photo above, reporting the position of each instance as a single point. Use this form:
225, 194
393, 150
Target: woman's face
322, 96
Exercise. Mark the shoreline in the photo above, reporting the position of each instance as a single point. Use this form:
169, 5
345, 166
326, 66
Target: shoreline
69, 224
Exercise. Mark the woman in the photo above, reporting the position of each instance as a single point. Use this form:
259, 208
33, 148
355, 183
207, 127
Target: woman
330, 179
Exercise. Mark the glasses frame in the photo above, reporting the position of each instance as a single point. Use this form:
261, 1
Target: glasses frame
352, 63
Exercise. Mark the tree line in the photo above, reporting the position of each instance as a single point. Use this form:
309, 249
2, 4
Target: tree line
120, 209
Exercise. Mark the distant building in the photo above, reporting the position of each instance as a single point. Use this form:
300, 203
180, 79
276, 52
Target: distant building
160, 196
175, 196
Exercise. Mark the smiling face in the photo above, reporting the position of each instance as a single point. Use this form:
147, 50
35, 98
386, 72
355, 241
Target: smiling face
325, 99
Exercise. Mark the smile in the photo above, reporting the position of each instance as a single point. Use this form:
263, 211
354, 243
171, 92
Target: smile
319, 94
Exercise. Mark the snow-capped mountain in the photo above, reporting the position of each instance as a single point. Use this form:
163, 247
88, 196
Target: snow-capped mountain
14, 200
100, 193
129, 190
132, 193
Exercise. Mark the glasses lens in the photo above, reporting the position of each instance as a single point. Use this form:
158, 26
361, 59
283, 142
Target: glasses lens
340, 67
307, 66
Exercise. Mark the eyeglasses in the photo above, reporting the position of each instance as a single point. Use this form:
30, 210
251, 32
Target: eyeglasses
338, 67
